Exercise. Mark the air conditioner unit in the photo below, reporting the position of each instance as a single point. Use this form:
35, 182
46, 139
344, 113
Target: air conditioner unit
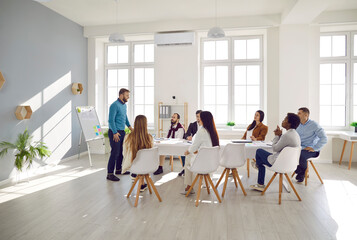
174, 38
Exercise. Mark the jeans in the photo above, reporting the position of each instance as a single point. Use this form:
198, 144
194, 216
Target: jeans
183, 158
301, 168
261, 157
116, 155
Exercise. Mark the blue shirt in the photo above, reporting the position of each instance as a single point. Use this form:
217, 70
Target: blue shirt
312, 135
117, 116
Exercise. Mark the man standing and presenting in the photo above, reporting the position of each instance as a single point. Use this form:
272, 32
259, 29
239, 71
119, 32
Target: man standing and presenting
117, 121
313, 138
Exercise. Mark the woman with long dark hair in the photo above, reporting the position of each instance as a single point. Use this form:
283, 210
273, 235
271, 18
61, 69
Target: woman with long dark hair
206, 136
256, 131
138, 139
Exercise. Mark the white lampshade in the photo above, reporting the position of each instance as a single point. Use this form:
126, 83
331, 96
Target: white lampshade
216, 32
116, 38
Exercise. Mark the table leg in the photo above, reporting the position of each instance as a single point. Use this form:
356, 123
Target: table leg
343, 150
248, 166
349, 165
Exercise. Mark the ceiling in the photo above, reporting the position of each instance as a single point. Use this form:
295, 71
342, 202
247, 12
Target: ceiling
103, 12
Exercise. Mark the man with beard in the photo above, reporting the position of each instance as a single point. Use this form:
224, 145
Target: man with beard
176, 131
117, 121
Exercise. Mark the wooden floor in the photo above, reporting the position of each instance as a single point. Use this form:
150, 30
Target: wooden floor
77, 202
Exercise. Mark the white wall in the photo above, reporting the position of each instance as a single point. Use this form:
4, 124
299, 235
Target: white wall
291, 70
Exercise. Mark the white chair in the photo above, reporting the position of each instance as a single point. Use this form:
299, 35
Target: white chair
233, 156
286, 162
206, 162
307, 170
145, 162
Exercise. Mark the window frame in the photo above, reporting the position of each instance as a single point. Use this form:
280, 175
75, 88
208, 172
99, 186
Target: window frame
131, 65
348, 60
231, 63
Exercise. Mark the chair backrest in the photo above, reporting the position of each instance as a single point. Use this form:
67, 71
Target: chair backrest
207, 160
146, 161
287, 160
233, 155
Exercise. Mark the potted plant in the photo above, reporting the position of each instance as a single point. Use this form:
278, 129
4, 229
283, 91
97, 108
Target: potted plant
231, 124
354, 124
25, 150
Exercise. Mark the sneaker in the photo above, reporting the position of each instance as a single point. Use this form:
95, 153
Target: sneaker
158, 171
258, 187
133, 176
299, 181
143, 187
112, 177
182, 173
185, 192
254, 165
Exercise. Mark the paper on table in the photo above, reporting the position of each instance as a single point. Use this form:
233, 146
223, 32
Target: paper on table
262, 144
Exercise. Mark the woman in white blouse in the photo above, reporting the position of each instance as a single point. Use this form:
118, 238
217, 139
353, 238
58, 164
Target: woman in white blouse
206, 136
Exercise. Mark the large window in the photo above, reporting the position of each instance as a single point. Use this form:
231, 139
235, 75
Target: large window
232, 79
131, 65
338, 84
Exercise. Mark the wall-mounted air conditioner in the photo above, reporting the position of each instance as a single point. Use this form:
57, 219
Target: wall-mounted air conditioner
174, 38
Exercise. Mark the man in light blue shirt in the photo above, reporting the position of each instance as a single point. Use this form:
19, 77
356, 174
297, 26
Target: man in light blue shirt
313, 138
117, 121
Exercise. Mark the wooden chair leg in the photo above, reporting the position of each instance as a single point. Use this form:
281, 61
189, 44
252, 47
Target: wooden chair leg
138, 190
280, 186
349, 164
199, 190
224, 171
172, 162
154, 188
248, 166
181, 161
225, 183
343, 151
234, 177
292, 186
235, 172
306, 173
193, 184
271, 180
214, 189
207, 186
293, 174
147, 181
132, 186
318, 175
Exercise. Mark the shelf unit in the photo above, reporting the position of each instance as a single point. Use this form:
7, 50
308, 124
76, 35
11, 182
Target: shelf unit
23, 112
181, 109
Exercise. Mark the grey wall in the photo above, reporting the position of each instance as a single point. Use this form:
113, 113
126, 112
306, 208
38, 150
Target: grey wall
41, 52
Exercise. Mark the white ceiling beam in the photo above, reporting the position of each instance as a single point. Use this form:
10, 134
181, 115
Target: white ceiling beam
304, 11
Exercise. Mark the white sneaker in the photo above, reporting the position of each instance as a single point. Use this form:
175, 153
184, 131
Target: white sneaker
185, 192
258, 187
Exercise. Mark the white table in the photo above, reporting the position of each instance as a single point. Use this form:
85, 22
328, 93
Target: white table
351, 137
178, 147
